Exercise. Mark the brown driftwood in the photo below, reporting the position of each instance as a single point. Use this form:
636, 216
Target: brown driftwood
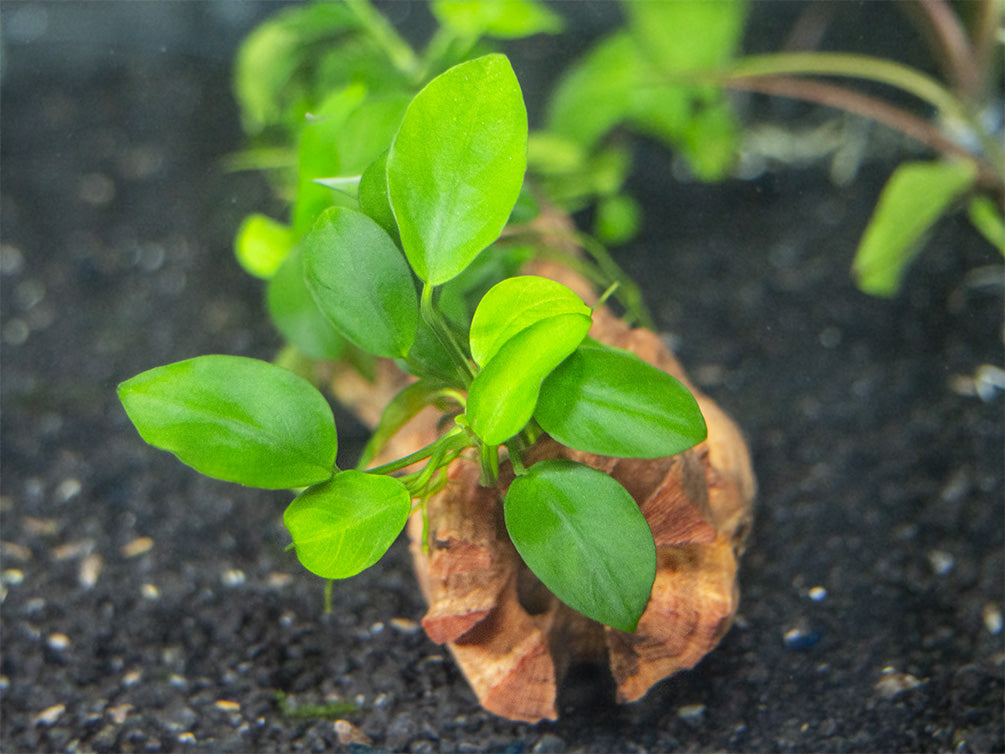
510, 636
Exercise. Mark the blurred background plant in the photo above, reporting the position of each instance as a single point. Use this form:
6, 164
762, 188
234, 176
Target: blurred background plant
323, 86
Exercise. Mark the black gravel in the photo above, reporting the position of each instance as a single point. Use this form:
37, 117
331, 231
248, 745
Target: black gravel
148, 609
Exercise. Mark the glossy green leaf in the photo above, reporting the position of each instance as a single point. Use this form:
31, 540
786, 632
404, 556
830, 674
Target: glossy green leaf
503, 394
917, 194
262, 244
514, 305
505, 19
236, 419
360, 281
296, 316
583, 535
346, 525
373, 198
612, 403
456, 166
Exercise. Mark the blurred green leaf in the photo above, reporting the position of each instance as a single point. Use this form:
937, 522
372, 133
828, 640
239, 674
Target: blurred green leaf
262, 244
345, 525
584, 536
236, 419
506, 19
915, 197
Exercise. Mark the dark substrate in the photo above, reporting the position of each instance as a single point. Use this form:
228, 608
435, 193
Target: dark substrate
874, 576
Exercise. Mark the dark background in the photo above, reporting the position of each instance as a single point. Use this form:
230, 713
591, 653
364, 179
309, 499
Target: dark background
880, 471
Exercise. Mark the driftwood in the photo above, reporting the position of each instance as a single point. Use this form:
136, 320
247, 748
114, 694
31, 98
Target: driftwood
510, 636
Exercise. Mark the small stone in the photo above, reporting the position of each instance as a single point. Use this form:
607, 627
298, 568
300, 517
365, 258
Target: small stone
992, 616
186, 738
818, 594
136, 547
347, 733
150, 592
50, 715
227, 705
12, 576
549, 744
405, 626
16, 552
277, 579
90, 569
68, 489
892, 683
691, 713
942, 562
58, 642
801, 636
233, 577
119, 712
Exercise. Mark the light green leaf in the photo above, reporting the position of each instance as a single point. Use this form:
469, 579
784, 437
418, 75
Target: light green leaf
262, 244
583, 535
505, 19
373, 196
236, 419
986, 216
296, 316
514, 305
917, 194
612, 403
360, 281
503, 394
687, 34
346, 525
456, 166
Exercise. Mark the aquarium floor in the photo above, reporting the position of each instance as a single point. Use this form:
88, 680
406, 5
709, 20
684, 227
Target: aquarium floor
148, 609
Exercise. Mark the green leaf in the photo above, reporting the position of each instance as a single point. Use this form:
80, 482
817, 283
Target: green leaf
360, 281
262, 244
987, 219
295, 314
456, 166
583, 535
236, 419
514, 305
503, 394
687, 34
917, 194
373, 198
346, 525
612, 403
618, 219
505, 19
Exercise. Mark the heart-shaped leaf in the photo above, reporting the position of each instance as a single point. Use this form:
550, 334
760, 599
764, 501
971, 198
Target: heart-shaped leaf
514, 305
612, 403
456, 166
583, 535
236, 419
503, 394
360, 281
347, 524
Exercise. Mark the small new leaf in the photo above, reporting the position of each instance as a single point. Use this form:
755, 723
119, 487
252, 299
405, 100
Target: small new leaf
360, 281
514, 305
583, 535
612, 403
456, 166
915, 197
236, 419
503, 394
345, 525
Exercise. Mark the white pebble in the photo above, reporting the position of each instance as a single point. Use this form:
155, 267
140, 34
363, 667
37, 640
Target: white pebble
992, 615
818, 594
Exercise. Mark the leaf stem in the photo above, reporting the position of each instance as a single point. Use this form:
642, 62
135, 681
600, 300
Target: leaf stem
455, 439
442, 332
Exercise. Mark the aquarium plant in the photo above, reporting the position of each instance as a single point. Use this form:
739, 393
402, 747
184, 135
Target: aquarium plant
377, 268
